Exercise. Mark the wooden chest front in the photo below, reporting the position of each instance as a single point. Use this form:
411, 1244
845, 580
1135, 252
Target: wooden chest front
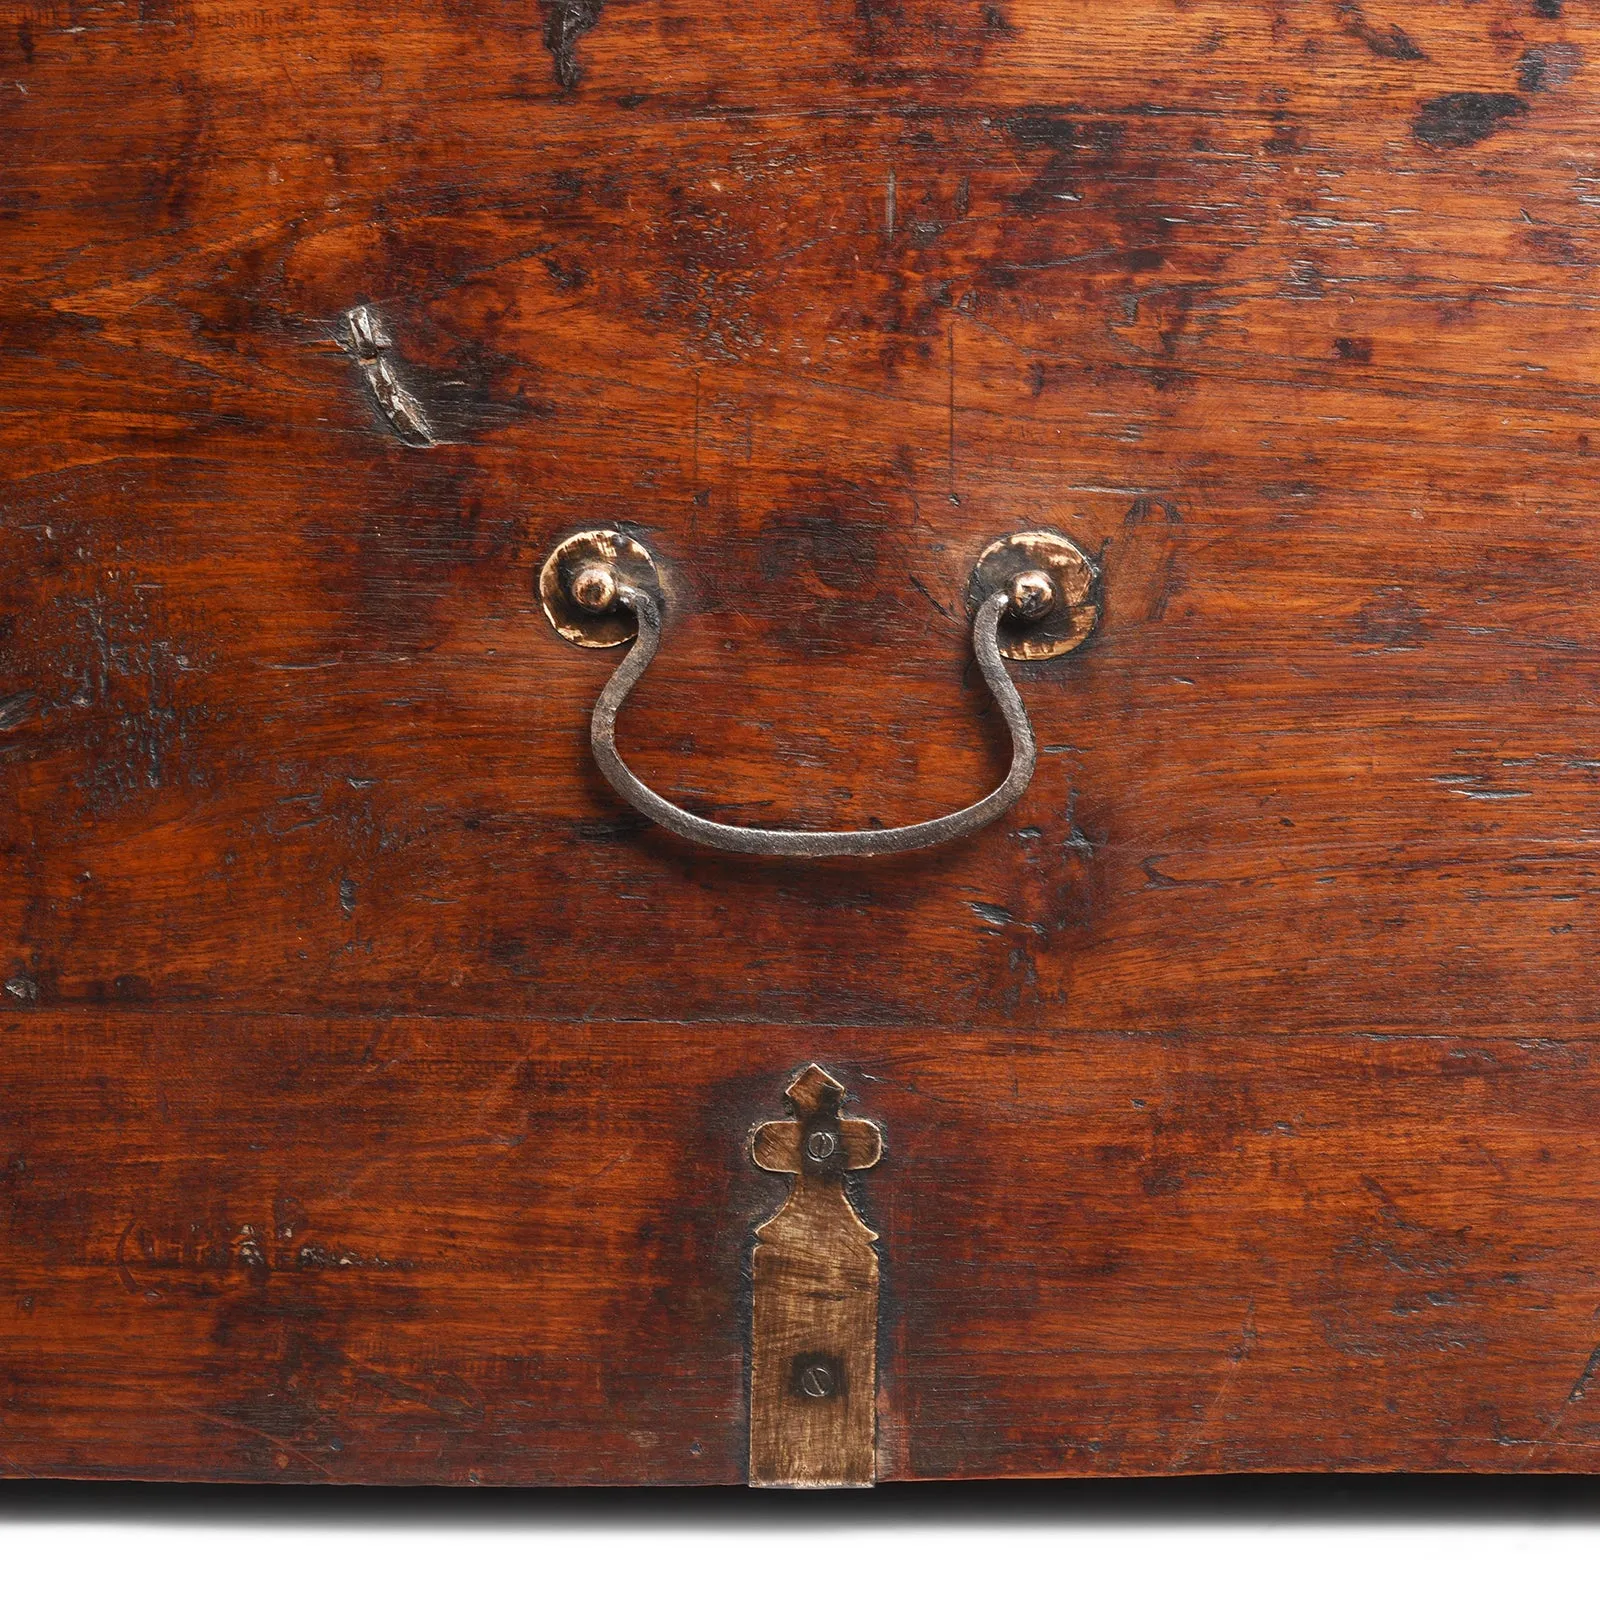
384, 1098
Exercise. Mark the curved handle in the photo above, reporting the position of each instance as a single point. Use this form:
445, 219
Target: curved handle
797, 841
1033, 595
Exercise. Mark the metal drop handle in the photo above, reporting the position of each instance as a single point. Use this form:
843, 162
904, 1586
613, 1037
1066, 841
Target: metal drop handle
598, 582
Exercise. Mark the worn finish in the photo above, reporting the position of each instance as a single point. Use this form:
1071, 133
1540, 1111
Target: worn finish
814, 1301
1242, 1084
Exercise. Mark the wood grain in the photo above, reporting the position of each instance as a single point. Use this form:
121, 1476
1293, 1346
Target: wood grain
451, 1250
1273, 1001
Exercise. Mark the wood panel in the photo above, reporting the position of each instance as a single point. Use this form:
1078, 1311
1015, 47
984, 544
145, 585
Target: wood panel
1285, 311
464, 1251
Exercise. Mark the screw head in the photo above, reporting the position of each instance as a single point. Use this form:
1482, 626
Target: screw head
594, 587
1032, 595
817, 1381
821, 1144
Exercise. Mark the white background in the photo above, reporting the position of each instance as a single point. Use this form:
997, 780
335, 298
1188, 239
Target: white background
1455, 1539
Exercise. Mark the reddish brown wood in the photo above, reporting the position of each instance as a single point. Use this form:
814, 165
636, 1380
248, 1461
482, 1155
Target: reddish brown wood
481, 1251
1240, 1085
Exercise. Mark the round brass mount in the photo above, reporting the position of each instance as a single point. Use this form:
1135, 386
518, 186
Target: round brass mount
578, 586
1055, 590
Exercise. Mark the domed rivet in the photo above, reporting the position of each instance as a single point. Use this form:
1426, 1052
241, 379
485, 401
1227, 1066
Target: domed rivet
1032, 595
594, 587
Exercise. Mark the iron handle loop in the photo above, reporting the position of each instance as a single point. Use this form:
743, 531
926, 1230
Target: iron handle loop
805, 842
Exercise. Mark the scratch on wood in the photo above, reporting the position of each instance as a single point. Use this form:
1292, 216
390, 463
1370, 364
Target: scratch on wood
1241, 1351
999, 917
15, 709
1575, 1396
955, 499
694, 460
367, 340
922, 589
1585, 1378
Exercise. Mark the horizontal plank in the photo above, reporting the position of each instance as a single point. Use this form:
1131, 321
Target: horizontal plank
1307, 775
504, 1253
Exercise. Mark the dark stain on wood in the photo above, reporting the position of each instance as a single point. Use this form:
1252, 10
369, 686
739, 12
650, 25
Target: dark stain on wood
1453, 121
1548, 66
1074, 151
566, 21
1392, 43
